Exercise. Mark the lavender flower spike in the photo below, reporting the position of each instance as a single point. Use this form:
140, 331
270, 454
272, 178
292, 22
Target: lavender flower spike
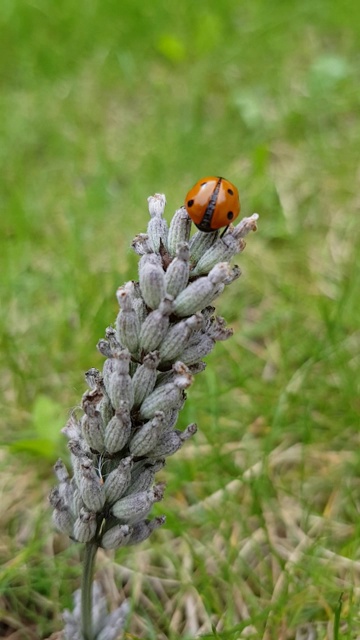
165, 326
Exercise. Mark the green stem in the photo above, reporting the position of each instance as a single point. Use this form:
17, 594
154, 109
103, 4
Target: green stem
86, 590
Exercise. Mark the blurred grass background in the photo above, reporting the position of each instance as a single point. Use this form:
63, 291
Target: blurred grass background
101, 105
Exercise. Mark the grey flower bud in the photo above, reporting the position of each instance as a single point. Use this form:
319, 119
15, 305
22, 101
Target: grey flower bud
152, 280
104, 347
116, 537
146, 437
218, 329
61, 471
245, 226
118, 430
133, 291
171, 441
144, 378
200, 243
92, 430
157, 227
177, 337
78, 458
93, 378
127, 322
85, 526
72, 428
155, 326
105, 410
144, 476
63, 521
177, 274
234, 274
91, 487
141, 244
143, 529
118, 383
77, 503
165, 397
200, 293
56, 500
110, 335
118, 480
194, 353
135, 507
179, 231
221, 251
65, 488
197, 368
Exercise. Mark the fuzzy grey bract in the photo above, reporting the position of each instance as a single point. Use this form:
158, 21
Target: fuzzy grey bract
165, 327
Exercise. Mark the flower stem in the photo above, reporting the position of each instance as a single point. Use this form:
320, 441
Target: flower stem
86, 590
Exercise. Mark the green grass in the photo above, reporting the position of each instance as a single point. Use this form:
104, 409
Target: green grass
101, 105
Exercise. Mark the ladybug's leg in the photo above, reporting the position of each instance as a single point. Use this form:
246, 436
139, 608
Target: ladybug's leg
225, 230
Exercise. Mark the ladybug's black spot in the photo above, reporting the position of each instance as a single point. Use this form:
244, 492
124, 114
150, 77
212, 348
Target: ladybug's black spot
190, 203
229, 215
230, 191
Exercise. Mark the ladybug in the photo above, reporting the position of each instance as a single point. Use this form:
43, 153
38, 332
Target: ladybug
212, 203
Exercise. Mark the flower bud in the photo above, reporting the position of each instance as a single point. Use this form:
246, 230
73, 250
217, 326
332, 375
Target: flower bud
61, 471
141, 244
72, 428
177, 274
157, 227
63, 520
143, 529
179, 231
245, 226
65, 488
146, 437
93, 378
116, 537
218, 330
117, 432
144, 476
118, 383
104, 347
118, 480
144, 378
77, 503
56, 499
78, 457
135, 507
194, 353
177, 337
85, 526
165, 397
155, 326
91, 488
127, 323
200, 243
179, 370
110, 335
221, 251
152, 280
171, 441
92, 431
201, 292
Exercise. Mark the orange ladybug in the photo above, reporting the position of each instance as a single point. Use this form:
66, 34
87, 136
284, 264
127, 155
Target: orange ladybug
212, 203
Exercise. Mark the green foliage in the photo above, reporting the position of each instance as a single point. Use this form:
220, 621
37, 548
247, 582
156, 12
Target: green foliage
101, 105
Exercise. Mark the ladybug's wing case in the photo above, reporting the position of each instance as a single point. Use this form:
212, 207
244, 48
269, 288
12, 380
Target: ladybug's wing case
227, 205
199, 197
212, 203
